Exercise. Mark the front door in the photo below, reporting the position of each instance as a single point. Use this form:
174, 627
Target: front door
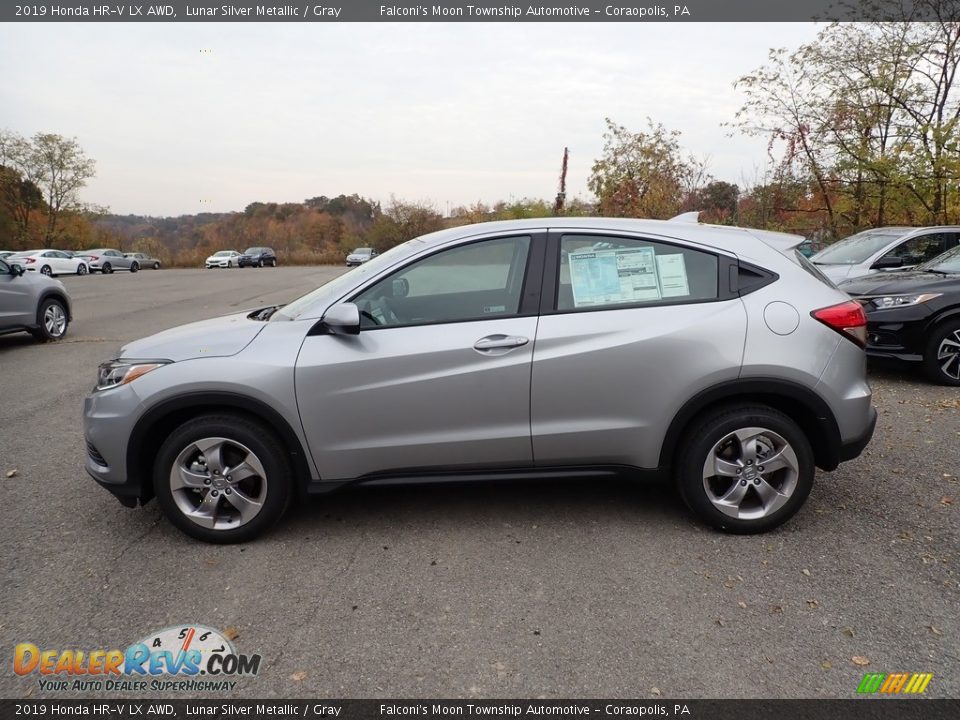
438, 377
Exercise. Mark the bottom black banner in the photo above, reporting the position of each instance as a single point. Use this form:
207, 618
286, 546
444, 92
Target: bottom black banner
874, 709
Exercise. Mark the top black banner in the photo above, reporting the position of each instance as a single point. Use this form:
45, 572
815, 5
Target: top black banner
507, 11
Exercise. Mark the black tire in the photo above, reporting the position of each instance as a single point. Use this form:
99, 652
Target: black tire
260, 440
135, 267
81, 269
273, 263
45, 270
44, 332
156, 266
229, 263
700, 442
260, 262
106, 269
941, 361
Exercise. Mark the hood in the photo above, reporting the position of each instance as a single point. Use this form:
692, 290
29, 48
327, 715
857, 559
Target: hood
217, 337
900, 283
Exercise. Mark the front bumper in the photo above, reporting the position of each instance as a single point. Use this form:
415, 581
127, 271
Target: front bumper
898, 333
108, 418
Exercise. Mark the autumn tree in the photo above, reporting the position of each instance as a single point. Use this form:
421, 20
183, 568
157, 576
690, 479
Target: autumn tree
642, 174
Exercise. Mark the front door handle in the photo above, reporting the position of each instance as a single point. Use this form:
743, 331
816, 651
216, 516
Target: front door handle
499, 342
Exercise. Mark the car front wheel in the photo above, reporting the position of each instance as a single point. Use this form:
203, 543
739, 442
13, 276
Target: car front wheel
135, 267
81, 269
52, 321
745, 469
222, 478
941, 360
106, 269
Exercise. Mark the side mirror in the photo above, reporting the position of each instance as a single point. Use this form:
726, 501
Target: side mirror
343, 319
887, 262
17, 270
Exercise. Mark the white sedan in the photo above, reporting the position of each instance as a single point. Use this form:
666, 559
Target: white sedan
223, 259
49, 262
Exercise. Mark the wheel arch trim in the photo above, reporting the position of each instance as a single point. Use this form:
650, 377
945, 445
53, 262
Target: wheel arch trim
145, 441
815, 417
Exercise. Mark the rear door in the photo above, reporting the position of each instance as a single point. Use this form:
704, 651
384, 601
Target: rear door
439, 376
631, 327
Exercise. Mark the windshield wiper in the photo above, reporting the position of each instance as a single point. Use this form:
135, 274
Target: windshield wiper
266, 313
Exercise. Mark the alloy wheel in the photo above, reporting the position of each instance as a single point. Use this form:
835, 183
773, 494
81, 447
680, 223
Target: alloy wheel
948, 355
750, 473
218, 483
55, 320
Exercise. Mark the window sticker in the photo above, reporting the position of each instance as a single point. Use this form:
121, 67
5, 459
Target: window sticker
609, 277
673, 275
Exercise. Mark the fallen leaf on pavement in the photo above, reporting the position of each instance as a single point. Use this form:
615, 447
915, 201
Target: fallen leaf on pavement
12, 473
860, 660
298, 676
812, 604
231, 633
826, 664
742, 605
655, 690
806, 572
946, 500
934, 629
848, 632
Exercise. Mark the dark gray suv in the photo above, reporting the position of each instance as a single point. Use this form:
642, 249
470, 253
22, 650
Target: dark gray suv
33, 303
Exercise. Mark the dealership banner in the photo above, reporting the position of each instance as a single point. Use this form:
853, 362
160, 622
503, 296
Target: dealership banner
113, 709
480, 11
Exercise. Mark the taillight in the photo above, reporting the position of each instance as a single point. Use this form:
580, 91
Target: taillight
30, 260
847, 318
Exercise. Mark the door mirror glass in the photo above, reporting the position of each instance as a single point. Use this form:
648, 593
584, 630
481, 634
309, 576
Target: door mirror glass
343, 319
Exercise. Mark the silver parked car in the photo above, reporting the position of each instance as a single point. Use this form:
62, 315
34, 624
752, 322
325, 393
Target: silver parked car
717, 356
107, 261
882, 249
33, 303
144, 261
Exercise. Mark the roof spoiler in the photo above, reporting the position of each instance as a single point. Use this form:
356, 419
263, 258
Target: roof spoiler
687, 217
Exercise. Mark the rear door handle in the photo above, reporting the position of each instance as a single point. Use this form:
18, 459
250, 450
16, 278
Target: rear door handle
499, 342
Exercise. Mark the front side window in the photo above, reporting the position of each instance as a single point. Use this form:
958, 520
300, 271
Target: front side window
606, 272
921, 248
479, 281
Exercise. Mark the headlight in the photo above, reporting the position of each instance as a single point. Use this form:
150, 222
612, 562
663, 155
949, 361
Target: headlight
118, 372
892, 301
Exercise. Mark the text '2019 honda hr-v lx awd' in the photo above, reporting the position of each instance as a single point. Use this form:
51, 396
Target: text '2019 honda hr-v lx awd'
716, 356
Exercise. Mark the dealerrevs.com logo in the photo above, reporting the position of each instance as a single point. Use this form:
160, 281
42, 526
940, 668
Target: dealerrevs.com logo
178, 658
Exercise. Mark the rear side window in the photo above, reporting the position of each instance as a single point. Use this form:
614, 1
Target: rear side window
602, 272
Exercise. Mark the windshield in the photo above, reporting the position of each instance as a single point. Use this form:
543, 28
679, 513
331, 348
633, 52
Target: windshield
857, 248
293, 310
252, 251
223, 253
362, 251
948, 262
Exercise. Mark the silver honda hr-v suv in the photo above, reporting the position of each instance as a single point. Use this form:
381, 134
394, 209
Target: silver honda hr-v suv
716, 356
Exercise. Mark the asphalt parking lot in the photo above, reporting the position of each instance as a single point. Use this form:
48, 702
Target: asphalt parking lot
573, 589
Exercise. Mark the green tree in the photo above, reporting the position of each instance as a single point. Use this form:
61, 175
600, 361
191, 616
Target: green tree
642, 174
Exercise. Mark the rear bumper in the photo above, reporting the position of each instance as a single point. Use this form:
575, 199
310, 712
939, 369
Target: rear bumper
853, 447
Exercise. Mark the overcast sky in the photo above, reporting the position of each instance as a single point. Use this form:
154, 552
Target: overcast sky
210, 117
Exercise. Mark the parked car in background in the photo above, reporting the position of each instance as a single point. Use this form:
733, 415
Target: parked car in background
33, 303
108, 260
914, 315
716, 356
50, 262
809, 248
144, 260
257, 257
360, 256
223, 259
6, 253
884, 249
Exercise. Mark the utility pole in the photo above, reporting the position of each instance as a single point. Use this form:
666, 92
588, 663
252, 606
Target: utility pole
562, 195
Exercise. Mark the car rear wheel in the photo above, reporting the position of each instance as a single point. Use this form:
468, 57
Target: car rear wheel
273, 263
222, 478
106, 269
745, 469
941, 360
135, 267
260, 262
156, 266
81, 269
45, 270
52, 321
